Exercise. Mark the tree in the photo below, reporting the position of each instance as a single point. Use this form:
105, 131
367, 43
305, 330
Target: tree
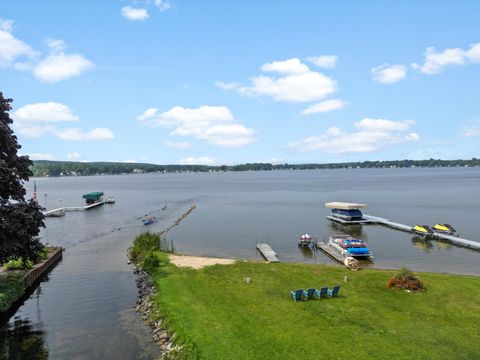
20, 220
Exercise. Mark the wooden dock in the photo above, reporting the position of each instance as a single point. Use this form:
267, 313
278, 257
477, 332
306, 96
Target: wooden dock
267, 252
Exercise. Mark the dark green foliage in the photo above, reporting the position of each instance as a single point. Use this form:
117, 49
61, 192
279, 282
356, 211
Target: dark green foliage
20, 220
12, 287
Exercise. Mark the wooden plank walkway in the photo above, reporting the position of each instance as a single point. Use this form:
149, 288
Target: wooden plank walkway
329, 251
267, 252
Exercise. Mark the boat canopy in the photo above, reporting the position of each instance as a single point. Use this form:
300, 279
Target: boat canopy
93, 196
344, 205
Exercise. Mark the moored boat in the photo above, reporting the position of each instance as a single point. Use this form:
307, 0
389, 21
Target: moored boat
444, 229
347, 246
305, 240
110, 200
149, 220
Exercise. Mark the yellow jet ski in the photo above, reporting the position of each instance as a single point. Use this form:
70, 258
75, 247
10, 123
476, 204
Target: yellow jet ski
444, 229
422, 230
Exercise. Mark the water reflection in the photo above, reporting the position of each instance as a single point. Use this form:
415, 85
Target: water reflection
307, 251
355, 230
21, 340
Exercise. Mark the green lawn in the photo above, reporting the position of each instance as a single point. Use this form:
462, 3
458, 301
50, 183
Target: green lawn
221, 317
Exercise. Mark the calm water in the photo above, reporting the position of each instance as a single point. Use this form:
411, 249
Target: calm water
84, 309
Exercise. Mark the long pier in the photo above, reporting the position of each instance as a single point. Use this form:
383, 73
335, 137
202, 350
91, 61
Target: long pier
453, 239
73, 208
267, 252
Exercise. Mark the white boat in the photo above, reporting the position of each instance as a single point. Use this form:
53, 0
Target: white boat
347, 246
110, 200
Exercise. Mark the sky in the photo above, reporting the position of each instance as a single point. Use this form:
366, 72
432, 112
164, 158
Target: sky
230, 82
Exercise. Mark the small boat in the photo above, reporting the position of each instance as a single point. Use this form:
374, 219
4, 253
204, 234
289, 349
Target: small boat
149, 220
444, 229
423, 230
305, 240
110, 200
349, 246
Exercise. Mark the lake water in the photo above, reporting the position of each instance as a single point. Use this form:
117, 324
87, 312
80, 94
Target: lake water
84, 309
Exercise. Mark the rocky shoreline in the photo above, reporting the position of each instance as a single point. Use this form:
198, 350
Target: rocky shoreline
151, 316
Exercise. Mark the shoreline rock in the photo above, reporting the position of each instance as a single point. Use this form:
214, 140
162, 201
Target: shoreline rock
146, 310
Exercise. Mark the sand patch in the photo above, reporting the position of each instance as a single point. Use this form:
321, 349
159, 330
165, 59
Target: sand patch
197, 262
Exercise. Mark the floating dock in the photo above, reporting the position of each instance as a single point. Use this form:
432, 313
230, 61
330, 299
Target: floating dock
453, 239
267, 252
364, 219
74, 208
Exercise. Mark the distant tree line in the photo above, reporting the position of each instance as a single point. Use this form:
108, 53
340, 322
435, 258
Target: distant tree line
70, 168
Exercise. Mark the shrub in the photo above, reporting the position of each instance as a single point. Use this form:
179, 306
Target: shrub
18, 264
405, 279
43, 254
148, 242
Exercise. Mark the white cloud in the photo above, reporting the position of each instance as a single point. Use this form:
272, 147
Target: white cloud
178, 145
163, 5
324, 61
203, 160
31, 131
290, 66
293, 82
372, 135
60, 66
47, 112
473, 130
134, 14
78, 135
214, 124
148, 114
12, 48
129, 161
40, 156
389, 74
73, 156
227, 86
324, 106
56, 44
435, 62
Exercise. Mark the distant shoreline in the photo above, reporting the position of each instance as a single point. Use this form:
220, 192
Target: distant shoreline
45, 168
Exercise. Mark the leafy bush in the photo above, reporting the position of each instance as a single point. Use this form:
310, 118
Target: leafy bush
18, 264
12, 287
43, 254
148, 242
405, 279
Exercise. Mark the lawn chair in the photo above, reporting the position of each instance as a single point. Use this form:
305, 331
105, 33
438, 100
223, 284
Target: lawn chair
321, 293
333, 292
308, 294
296, 295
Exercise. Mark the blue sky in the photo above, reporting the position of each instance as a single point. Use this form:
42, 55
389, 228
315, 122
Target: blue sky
227, 82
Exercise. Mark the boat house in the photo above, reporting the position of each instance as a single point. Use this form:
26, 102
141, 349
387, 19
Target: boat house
346, 213
93, 197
